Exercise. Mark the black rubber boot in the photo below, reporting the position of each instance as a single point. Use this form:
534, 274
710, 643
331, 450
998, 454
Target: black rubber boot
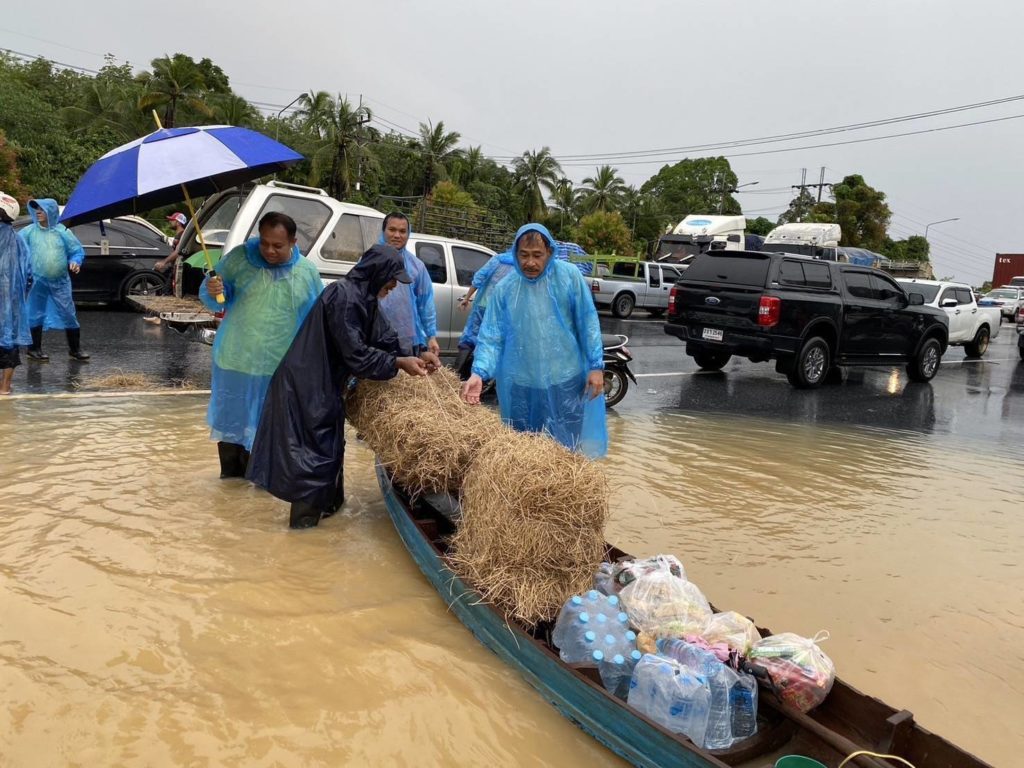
233, 459
303, 515
75, 344
339, 494
35, 352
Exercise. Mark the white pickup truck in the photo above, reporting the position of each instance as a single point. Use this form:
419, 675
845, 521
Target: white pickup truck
333, 235
634, 284
970, 326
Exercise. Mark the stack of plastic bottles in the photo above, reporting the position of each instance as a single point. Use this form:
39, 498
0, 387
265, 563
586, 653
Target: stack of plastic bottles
733, 708
673, 695
594, 629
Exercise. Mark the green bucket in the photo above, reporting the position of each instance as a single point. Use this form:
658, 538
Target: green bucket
797, 761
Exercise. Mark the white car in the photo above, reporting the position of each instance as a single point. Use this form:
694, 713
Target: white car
970, 326
1008, 299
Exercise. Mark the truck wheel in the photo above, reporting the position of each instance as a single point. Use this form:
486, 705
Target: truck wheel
656, 312
979, 346
709, 360
926, 362
623, 305
615, 387
811, 365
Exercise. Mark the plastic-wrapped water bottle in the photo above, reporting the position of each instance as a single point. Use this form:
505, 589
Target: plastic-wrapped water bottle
674, 696
617, 672
743, 703
689, 712
589, 613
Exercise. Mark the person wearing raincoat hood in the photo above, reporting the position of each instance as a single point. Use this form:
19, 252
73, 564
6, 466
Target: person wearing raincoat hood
55, 255
410, 308
541, 342
299, 451
268, 289
14, 270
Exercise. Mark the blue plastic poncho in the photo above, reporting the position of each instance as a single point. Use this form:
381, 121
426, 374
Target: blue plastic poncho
265, 305
485, 280
410, 308
14, 271
540, 338
51, 249
565, 251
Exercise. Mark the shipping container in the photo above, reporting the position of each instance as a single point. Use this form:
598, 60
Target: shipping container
1008, 266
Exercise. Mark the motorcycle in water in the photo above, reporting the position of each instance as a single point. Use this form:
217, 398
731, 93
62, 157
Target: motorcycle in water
616, 368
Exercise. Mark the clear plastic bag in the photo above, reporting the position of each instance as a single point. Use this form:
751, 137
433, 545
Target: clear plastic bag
658, 598
733, 629
797, 670
612, 578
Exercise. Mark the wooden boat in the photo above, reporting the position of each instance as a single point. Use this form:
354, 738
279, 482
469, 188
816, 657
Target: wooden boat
848, 720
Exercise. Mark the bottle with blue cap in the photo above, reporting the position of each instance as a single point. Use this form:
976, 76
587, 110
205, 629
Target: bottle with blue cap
592, 612
617, 672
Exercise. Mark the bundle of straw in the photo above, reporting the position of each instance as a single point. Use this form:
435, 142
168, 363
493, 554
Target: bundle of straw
532, 527
421, 430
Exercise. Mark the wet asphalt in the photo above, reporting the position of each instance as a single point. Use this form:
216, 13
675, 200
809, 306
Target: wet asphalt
976, 400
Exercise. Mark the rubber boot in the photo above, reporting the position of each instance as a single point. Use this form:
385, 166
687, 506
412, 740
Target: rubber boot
303, 515
339, 494
35, 352
75, 344
233, 459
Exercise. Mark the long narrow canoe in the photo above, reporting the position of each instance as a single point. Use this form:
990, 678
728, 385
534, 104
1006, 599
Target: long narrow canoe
846, 722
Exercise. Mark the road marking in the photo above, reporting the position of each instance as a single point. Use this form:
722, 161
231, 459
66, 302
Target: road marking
82, 395
673, 373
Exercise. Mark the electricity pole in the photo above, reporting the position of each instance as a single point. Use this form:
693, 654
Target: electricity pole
803, 185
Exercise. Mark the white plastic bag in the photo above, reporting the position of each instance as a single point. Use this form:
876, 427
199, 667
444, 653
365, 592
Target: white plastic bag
658, 598
800, 673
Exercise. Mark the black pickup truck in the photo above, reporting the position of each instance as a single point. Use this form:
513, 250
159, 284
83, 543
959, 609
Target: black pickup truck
809, 316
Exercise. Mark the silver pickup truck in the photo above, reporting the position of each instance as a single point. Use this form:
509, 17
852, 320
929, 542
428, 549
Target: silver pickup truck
635, 284
333, 235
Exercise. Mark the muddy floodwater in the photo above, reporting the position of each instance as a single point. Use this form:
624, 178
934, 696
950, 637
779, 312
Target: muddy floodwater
154, 615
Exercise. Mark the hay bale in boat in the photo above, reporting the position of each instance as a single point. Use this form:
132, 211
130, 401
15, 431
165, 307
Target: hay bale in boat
532, 528
421, 430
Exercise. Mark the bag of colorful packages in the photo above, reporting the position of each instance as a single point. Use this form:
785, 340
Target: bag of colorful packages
611, 578
733, 629
794, 668
659, 598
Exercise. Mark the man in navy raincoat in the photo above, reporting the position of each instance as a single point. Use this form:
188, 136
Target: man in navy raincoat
410, 308
14, 270
541, 342
55, 254
299, 451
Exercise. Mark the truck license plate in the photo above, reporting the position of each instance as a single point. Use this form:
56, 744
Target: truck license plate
713, 334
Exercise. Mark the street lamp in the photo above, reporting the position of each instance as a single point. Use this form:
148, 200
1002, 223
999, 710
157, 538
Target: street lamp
957, 218
721, 203
277, 123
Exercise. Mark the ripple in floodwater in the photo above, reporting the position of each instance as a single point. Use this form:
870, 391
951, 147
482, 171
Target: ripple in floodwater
155, 615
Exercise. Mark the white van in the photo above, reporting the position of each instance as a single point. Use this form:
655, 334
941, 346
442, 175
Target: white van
333, 235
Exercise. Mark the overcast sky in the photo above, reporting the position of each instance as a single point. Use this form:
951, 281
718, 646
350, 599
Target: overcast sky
598, 76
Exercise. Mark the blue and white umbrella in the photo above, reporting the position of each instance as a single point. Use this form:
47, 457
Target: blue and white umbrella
171, 164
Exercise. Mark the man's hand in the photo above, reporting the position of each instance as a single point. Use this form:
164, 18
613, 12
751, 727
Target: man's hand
471, 389
595, 384
73, 268
464, 302
433, 346
432, 361
214, 286
411, 365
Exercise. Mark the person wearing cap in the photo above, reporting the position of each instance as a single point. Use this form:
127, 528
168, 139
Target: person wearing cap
55, 254
410, 308
299, 450
178, 223
14, 270
268, 288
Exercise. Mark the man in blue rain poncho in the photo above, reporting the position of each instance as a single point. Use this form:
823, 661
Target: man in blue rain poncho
268, 288
14, 268
55, 254
410, 308
484, 282
299, 451
541, 341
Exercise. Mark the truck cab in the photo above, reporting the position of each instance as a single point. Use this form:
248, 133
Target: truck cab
696, 233
812, 241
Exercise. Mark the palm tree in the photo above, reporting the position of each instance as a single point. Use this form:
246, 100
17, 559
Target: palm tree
536, 172
174, 82
604, 190
105, 105
232, 109
337, 136
440, 150
469, 166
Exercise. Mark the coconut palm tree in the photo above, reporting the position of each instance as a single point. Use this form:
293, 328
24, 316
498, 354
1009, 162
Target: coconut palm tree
535, 173
232, 109
468, 167
603, 191
108, 106
440, 150
336, 131
175, 82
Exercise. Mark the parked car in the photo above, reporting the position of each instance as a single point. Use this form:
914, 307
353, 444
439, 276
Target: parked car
333, 235
635, 284
809, 316
970, 326
120, 255
1020, 332
1009, 300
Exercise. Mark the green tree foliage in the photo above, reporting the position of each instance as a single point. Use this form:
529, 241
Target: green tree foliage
644, 215
440, 150
801, 208
336, 140
603, 191
699, 185
862, 213
759, 226
536, 174
176, 83
604, 233
914, 248
10, 181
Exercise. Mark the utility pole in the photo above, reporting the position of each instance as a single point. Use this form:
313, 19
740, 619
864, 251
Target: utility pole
803, 185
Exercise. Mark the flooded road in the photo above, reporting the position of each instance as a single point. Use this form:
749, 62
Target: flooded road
151, 614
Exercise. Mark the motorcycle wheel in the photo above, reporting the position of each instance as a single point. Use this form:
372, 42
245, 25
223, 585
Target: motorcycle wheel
615, 386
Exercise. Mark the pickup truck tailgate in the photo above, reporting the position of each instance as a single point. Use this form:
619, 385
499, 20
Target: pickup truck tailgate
723, 293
